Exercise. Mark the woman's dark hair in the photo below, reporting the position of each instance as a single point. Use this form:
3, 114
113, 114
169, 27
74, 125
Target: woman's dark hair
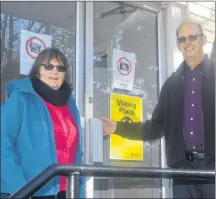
47, 55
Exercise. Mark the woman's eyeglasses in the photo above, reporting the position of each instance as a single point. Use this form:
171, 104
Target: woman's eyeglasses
60, 68
190, 37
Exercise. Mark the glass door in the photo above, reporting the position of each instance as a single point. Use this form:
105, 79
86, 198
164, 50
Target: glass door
131, 32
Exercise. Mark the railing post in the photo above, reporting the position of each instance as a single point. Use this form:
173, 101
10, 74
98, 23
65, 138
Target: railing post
73, 181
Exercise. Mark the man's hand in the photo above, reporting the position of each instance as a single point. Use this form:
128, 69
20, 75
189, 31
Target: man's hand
109, 126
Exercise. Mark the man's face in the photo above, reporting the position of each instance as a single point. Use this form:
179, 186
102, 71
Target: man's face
189, 40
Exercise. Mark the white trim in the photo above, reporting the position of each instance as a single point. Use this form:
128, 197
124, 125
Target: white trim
165, 189
80, 56
175, 14
89, 27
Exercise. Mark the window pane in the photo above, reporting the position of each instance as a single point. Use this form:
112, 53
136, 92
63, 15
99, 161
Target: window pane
56, 19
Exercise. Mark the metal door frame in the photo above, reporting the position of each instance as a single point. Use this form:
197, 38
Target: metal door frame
84, 69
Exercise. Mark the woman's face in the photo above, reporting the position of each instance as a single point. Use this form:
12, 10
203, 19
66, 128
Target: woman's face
53, 73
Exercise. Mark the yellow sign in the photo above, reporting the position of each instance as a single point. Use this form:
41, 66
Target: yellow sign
125, 108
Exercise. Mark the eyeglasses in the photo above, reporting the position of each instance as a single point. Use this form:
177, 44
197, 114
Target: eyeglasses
190, 37
60, 68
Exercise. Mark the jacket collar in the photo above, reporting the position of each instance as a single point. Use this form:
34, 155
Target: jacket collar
25, 85
205, 67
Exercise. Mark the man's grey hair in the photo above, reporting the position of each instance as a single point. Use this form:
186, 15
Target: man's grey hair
192, 22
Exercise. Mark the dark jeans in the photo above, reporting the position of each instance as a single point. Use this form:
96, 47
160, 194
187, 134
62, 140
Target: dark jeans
191, 188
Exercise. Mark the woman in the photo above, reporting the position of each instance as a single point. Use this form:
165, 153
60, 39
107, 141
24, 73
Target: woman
40, 126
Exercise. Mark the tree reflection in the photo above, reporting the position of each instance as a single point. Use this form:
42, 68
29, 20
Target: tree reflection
11, 27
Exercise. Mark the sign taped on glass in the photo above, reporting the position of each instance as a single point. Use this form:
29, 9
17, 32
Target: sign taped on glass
123, 69
129, 109
31, 45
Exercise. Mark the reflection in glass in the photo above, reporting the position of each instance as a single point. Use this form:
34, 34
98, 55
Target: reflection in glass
14, 18
135, 31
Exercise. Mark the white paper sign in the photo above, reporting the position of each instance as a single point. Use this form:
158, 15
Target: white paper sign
31, 44
123, 69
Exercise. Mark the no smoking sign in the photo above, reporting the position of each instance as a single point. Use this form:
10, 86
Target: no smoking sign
123, 69
34, 46
124, 66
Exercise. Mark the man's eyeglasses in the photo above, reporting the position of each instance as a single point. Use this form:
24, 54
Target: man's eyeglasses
60, 68
190, 37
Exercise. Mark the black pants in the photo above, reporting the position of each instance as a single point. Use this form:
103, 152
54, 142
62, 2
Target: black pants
191, 188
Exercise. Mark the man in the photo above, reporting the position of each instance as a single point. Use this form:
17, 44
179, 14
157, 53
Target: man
184, 115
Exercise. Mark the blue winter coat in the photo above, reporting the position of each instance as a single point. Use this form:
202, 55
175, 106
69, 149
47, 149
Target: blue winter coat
27, 139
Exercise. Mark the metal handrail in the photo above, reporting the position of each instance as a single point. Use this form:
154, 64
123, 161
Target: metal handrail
106, 171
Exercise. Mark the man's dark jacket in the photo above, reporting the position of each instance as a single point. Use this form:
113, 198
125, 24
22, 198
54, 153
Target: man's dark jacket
167, 118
